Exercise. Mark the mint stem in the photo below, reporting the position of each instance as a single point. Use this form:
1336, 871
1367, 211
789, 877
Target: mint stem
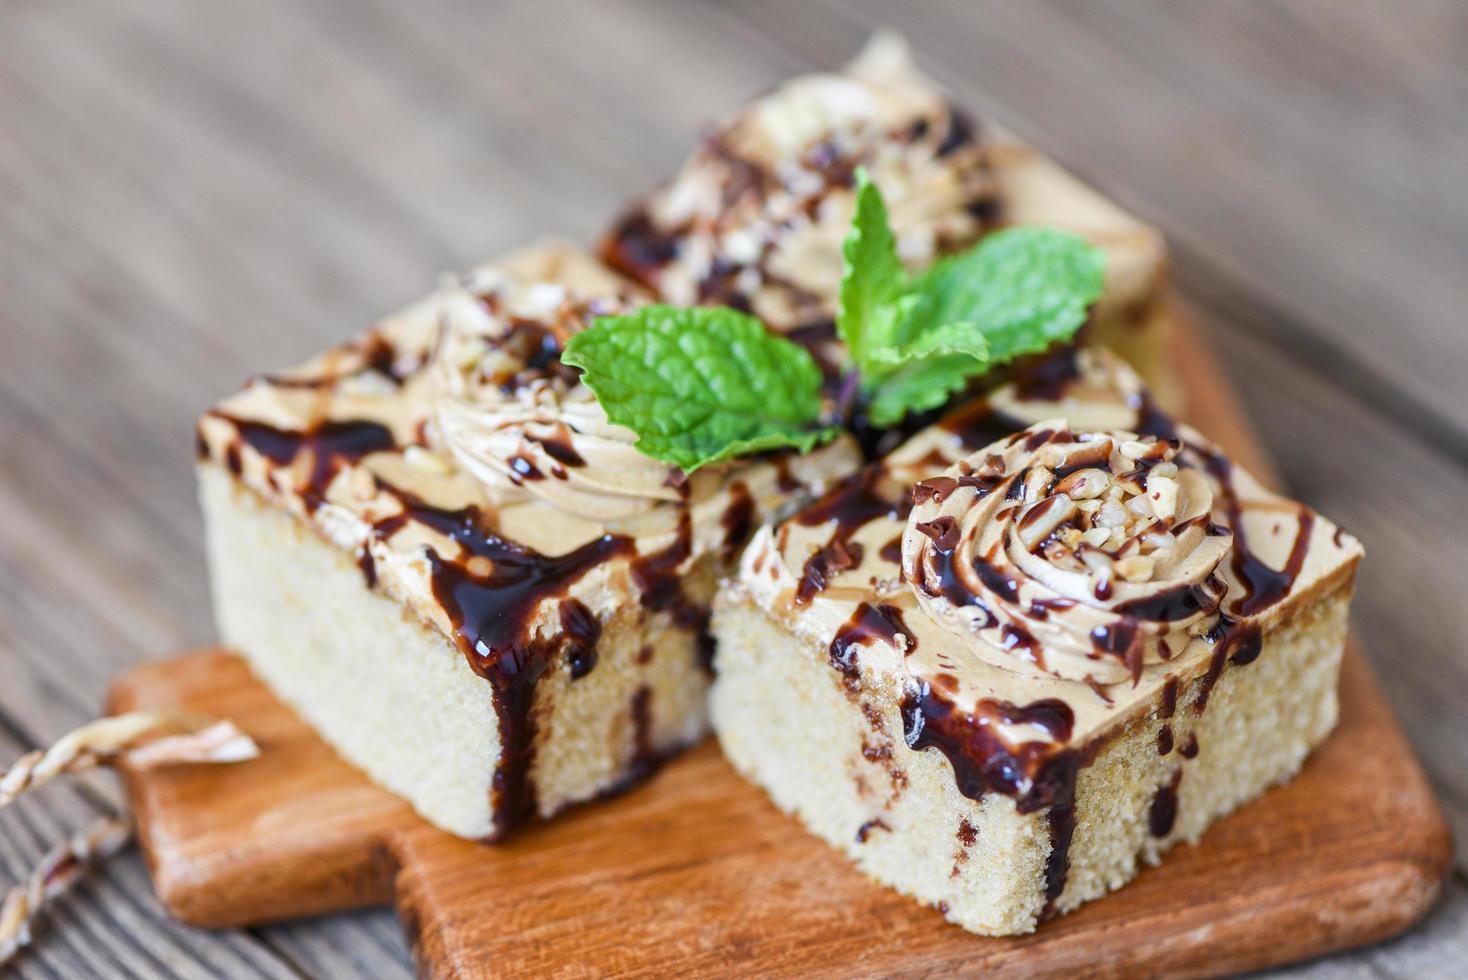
847, 395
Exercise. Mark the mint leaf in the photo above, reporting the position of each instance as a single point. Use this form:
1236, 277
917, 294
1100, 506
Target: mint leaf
1016, 292
701, 385
872, 277
1024, 288
925, 373
960, 338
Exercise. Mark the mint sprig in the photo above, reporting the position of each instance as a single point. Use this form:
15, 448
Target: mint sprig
914, 344
705, 384
701, 385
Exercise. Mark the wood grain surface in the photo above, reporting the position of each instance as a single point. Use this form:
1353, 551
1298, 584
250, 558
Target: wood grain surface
190, 193
699, 873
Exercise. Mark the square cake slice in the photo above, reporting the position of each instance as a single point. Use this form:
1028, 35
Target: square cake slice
756, 216
1001, 678
434, 546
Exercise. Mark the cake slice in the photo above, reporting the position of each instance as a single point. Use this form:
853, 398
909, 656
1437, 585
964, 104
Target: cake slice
1001, 675
432, 544
756, 216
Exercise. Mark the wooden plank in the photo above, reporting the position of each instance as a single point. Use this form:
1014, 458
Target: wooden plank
706, 875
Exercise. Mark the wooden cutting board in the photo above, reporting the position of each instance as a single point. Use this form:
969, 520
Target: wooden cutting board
695, 872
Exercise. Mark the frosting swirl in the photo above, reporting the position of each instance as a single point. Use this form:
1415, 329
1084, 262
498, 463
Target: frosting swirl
756, 216
1084, 554
521, 422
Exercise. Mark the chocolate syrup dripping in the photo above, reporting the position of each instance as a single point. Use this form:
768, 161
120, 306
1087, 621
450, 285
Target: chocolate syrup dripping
333, 445
368, 566
868, 624
643, 755
1061, 822
961, 132
521, 469
996, 581
637, 248
1049, 376
1162, 814
1152, 420
738, 519
892, 550
850, 504
492, 613
840, 555
1034, 773
558, 447
1123, 640
865, 830
1243, 640
1169, 697
785, 482
1169, 605
581, 630
1263, 585
949, 585
381, 357
1190, 747
652, 572
656, 576
1014, 637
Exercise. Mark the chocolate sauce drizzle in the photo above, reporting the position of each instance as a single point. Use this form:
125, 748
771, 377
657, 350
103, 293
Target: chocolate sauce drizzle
1162, 814
493, 597
1263, 586
641, 249
851, 504
492, 615
868, 624
333, 445
1043, 774
738, 520
1037, 775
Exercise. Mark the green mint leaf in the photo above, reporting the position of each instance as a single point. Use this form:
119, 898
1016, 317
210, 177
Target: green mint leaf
1024, 288
701, 385
919, 386
924, 373
961, 338
872, 277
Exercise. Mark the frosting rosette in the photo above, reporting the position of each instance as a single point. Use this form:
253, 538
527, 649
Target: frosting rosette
519, 420
756, 217
1088, 555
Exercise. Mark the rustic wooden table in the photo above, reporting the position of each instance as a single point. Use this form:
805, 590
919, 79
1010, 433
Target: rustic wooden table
190, 193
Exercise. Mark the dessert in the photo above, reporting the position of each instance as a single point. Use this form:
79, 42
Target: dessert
433, 545
1002, 669
755, 217
497, 519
